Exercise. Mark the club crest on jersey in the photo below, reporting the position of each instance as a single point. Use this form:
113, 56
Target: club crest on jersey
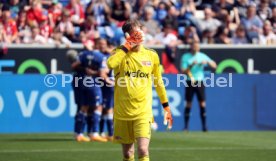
146, 63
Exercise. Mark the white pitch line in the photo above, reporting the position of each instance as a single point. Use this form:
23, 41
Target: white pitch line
118, 149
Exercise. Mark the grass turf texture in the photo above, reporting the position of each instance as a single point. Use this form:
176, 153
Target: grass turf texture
193, 146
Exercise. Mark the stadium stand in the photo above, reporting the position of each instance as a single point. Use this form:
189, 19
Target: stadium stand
76, 21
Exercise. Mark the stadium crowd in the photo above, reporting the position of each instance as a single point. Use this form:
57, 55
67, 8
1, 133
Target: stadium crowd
165, 22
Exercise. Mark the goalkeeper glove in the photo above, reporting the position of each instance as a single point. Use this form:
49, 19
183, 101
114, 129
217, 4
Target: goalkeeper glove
168, 120
136, 38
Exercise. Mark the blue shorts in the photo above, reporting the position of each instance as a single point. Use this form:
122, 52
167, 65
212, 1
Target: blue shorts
108, 97
91, 96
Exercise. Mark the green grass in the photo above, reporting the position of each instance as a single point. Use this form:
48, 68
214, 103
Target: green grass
194, 146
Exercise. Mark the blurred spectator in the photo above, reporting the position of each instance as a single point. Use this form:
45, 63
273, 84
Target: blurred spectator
154, 3
36, 14
149, 39
209, 23
58, 39
190, 35
166, 37
241, 6
222, 5
264, 11
252, 23
207, 37
150, 24
65, 26
268, 37
88, 44
187, 11
171, 17
161, 12
89, 29
76, 12
83, 20
230, 23
120, 12
35, 37
3, 36
47, 3
1, 6
54, 13
240, 36
23, 29
168, 58
273, 19
99, 9
186, 8
9, 25
139, 8
45, 29
222, 36
15, 7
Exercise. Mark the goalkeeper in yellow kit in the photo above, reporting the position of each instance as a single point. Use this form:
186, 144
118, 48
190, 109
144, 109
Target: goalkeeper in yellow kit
135, 67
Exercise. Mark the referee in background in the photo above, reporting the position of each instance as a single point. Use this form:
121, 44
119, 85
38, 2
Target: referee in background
193, 64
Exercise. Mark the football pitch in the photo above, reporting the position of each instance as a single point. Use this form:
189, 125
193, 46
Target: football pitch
166, 146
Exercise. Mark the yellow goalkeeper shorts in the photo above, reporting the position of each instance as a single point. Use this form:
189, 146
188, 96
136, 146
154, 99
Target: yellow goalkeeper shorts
126, 132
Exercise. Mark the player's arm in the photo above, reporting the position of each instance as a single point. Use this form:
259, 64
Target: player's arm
104, 76
77, 66
187, 69
161, 91
211, 63
185, 66
116, 58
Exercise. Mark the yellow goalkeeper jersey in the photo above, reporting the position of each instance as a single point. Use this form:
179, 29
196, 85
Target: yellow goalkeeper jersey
135, 72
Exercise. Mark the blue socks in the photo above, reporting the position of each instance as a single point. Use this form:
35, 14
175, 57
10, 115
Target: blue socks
93, 122
110, 124
102, 122
108, 119
79, 122
89, 123
96, 117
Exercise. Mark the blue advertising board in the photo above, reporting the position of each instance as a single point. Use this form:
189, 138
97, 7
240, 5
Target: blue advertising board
28, 105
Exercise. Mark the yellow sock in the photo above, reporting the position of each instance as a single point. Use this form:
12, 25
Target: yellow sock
144, 158
129, 159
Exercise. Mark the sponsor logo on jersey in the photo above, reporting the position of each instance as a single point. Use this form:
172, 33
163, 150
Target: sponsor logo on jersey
138, 74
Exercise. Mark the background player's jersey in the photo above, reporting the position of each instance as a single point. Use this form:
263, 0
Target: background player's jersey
91, 93
198, 69
133, 83
94, 60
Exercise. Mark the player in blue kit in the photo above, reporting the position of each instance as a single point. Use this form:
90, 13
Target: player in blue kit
108, 94
91, 94
78, 72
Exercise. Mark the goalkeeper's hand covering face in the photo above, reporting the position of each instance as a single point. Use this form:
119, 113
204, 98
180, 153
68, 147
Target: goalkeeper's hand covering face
135, 38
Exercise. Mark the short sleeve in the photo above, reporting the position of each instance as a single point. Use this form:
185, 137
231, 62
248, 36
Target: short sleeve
207, 58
